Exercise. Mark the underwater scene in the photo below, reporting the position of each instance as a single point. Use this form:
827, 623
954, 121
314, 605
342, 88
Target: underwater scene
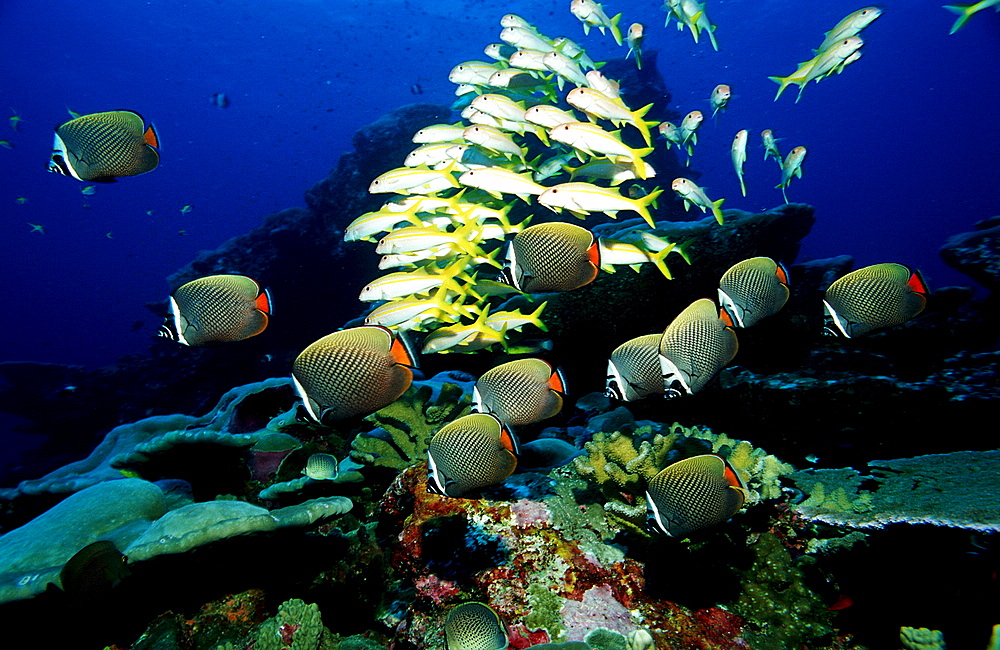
474, 325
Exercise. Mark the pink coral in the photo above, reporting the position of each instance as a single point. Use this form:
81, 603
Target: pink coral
530, 513
436, 589
599, 608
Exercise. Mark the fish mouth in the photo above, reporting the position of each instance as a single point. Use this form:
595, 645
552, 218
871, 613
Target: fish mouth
58, 164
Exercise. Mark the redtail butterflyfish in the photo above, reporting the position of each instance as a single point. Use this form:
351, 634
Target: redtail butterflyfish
353, 372
470, 453
692, 494
695, 346
551, 257
520, 392
753, 289
873, 298
100, 147
634, 369
217, 309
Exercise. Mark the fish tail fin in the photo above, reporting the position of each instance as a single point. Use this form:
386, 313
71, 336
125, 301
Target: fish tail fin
535, 319
743, 186
783, 195
642, 206
616, 31
639, 163
711, 37
964, 13
658, 258
716, 210
783, 82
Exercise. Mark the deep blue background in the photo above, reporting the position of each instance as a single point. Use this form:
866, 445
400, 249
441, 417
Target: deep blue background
902, 146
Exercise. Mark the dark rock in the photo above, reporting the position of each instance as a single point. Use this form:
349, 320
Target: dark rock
976, 253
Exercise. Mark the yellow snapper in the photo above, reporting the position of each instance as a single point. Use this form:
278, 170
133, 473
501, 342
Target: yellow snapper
694, 195
405, 283
519, 392
575, 52
499, 51
352, 372
873, 298
692, 14
583, 198
408, 313
548, 116
499, 106
592, 139
966, 11
851, 25
513, 321
439, 133
526, 39
528, 60
693, 494
688, 130
720, 97
464, 337
791, 168
566, 69
694, 347
474, 626
739, 155
476, 73
634, 369
498, 181
671, 133
417, 238
493, 139
613, 253
101, 147
827, 62
602, 84
753, 289
592, 13
470, 453
598, 105
634, 38
615, 172
217, 309
413, 180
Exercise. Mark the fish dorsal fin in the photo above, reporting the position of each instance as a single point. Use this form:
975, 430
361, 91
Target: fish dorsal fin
782, 274
557, 381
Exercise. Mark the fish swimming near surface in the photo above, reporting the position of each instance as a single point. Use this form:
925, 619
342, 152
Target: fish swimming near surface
873, 298
851, 25
966, 11
523, 391
220, 100
353, 372
791, 168
720, 98
753, 289
739, 156
551, 257
217, 309
474, 626
694, 347
94, 570
634, 369
470, 453
102, 147
693, 494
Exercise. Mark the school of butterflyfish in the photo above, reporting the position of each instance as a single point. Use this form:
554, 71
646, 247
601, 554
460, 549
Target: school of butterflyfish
540, 128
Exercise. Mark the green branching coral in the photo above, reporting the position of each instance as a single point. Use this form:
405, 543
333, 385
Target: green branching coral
297, 626
408, 424
621, 470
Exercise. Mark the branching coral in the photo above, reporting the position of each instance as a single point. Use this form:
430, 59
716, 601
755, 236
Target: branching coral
621, 470
406, 426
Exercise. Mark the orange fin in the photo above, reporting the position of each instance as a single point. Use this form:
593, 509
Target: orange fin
726, 318
150, 137
263, 301
594, 253
917, 284
509, 440
782, 274
557, 381
403, 352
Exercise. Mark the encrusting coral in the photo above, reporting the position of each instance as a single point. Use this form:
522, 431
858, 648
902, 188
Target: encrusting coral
621, 470
960, 490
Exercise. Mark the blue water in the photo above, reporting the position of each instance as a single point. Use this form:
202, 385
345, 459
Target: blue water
902, 146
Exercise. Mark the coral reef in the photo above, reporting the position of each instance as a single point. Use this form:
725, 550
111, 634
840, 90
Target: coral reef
960, 489
976, 253
621, 470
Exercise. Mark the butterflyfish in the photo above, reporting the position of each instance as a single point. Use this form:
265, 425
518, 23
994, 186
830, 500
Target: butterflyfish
693, 494
470, 453
217, 309
634, 369
101, 147
353, 372
696, 345
551, 257
520, 392
753, 289
94, 570
474, 626
873, 298
321, 467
